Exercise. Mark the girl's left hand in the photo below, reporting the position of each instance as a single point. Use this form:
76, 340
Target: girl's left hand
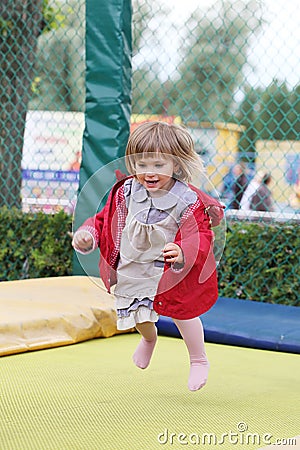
173, 253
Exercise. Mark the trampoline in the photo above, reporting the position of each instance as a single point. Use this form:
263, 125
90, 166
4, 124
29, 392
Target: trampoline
90, 396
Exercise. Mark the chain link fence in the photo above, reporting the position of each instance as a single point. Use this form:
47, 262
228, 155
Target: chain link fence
228, 70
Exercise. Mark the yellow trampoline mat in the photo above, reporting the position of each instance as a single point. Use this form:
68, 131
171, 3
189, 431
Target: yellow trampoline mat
90, 396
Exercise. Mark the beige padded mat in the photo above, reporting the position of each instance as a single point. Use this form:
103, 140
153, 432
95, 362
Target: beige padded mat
48, 312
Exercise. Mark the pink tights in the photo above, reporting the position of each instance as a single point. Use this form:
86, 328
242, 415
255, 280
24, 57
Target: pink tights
143, 353
192, 333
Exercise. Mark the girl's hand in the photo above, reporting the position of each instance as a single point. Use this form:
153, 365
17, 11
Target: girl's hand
82, 240
173, 253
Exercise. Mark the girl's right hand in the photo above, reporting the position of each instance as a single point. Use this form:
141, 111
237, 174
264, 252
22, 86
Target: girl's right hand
82, 240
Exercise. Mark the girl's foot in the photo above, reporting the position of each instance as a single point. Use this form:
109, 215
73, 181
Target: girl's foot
143, 353
198, 375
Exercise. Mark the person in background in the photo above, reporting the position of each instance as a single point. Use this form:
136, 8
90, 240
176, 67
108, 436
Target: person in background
261, 200
239, 185
295, 197
250, 190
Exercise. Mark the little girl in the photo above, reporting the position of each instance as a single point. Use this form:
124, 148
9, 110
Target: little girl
156, 243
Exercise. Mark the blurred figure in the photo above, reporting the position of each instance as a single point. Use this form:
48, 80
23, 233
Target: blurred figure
239, 185
227, 186
261, 200
295, 198
250, 190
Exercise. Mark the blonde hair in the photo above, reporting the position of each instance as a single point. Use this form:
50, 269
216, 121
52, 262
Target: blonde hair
165, 139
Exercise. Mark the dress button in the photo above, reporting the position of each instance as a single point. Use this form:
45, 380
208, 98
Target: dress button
160, 303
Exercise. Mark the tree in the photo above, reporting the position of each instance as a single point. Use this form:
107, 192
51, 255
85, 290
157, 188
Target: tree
21, 24
247, 116
278, 115
271, 113
59, 83
214, 54
60, 64
141, 14
147, 90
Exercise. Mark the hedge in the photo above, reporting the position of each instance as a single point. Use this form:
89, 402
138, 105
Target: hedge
34, 245
260, 261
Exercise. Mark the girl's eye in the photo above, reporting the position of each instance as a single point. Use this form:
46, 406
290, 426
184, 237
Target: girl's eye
141, 165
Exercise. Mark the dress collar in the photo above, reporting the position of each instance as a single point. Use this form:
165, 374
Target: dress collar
166, 201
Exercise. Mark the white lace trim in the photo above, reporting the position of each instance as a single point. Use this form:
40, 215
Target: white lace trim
142, 314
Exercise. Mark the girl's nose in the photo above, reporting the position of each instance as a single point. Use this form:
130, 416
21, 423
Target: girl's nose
150, 173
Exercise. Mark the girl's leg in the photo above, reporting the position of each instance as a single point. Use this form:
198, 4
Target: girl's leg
193, 336
143, 353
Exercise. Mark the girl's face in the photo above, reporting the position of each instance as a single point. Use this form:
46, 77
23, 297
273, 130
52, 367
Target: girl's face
155, 173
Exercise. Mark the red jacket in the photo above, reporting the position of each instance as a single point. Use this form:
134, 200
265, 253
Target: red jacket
181, 294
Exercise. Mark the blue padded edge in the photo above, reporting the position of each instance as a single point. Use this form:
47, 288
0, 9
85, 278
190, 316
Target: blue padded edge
247, 323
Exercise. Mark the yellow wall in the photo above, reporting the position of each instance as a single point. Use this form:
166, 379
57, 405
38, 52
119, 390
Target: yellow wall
226, 150
272, 157
222, 151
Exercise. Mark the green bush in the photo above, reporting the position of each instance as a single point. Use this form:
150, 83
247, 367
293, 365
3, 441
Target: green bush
34, 245
261, 262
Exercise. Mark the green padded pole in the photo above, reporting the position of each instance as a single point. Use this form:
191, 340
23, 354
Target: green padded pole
108, 108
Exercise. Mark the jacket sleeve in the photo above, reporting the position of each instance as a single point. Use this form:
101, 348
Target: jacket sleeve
97, 225
195, 238
94, 225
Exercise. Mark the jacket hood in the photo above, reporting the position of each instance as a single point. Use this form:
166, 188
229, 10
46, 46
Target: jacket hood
212, 206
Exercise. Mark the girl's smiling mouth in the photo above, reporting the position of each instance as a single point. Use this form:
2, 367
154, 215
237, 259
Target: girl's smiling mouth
151, 182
